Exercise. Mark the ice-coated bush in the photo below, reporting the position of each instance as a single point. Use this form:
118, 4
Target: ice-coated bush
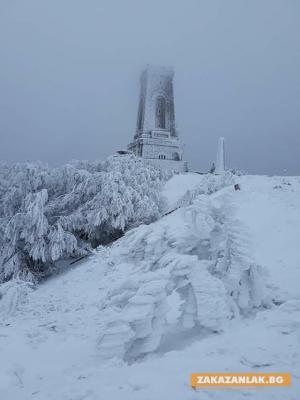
201, 254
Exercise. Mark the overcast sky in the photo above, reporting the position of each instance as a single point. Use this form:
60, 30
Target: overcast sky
69, 76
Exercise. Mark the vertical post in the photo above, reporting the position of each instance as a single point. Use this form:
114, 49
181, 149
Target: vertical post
220, 162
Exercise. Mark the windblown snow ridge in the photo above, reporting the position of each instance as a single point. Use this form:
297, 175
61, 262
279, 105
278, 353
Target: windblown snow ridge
190, 270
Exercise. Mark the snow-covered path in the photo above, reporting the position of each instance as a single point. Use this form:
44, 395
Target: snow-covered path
49, 347
270, 208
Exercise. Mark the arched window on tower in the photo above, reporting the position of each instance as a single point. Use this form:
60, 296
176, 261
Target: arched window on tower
141, 114
160, 113
176, 156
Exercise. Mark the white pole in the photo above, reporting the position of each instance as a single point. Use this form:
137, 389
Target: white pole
220, 163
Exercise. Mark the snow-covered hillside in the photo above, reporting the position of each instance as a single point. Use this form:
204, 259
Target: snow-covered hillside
213, 286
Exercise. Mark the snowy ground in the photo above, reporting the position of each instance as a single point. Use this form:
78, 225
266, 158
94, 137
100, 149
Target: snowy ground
177, 187
49, 337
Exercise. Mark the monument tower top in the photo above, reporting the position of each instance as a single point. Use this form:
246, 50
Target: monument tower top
156, 138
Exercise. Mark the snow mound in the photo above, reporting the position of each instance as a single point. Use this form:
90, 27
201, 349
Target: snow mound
12, 295
181, 190
200, 253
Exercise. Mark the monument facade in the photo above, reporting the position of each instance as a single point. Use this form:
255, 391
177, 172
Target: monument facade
156, 138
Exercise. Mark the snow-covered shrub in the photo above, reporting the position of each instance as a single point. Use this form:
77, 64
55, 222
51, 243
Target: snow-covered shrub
237, 172
199, 253
50, 213
209, 184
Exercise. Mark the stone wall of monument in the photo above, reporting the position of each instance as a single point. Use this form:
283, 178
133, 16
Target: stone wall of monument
171, 152
176, 166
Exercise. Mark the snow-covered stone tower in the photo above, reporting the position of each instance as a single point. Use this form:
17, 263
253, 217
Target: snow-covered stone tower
156, 138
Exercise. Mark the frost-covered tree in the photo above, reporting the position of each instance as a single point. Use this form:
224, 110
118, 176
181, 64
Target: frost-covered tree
47, 214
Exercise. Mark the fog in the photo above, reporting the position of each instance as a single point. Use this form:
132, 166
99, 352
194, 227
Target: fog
69, 78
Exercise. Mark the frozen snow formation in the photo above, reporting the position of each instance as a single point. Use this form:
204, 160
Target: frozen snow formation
12, 295
209, 184
190, 271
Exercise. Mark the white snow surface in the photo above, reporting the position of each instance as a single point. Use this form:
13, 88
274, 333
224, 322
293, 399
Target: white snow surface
137, 318
178, 186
